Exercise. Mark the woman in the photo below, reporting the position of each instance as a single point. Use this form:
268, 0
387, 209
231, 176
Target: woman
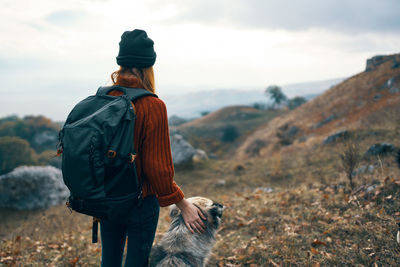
154, 161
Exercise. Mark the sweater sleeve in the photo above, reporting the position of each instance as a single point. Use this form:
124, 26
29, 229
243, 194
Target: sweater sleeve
157, 159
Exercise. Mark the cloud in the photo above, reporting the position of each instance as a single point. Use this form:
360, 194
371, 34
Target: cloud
65, 17
347, 16
53, 52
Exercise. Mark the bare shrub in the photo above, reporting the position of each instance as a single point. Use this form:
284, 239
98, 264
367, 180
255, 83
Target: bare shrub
254, 148
287, 134
350, 158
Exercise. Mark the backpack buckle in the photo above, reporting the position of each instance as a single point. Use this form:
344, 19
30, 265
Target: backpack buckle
59, 148
140, 199
111, 154
132, 158
68, 204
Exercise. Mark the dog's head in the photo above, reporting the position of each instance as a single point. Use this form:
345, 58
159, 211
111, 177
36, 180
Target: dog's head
211, 210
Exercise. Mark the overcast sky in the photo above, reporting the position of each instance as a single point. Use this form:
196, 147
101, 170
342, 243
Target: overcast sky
53, 53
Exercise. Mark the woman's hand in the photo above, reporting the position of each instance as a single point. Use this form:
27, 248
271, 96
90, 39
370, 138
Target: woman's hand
192, 216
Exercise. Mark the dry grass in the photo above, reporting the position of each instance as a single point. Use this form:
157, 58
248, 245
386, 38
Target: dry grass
52, 237
310, 225
301, 223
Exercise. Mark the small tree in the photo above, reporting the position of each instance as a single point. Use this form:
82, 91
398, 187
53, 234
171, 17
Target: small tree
15, 152
275, 93
229, 133
259, 106
350, 158
296, 102
204, 113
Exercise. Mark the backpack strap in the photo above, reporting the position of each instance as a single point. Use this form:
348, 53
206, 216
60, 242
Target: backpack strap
132, 93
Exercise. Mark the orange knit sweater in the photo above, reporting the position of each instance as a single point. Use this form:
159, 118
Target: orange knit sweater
153, 157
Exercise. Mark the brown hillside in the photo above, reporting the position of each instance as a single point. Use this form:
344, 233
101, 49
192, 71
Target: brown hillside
222, 115
363, 101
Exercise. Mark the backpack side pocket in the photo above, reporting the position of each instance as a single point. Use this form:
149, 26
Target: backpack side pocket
83, 162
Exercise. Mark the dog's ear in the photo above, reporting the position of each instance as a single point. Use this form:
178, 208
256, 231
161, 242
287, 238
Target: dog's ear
174, 211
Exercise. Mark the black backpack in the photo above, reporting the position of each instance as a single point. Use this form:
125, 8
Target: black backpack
98, 155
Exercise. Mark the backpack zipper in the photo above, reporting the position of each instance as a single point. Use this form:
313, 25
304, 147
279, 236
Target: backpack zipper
60, 145
91, 161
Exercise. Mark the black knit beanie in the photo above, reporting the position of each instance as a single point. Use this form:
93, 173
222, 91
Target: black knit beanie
136, 50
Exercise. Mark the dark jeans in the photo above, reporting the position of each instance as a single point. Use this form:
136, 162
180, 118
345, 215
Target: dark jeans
140, 232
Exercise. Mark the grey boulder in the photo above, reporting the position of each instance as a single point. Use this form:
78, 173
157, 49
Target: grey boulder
340, 135
32, 187
182, 151
200, 155
380, 149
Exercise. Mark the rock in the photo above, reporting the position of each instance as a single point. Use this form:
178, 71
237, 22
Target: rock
394, 90
287, 134
212, 156
364, 169
255, 147
325, 121
265, 189
380, 149
302, 139
377, 97
293, 131
395, 63
239, 168
182, 151
200, 155
375, 61
373, 133
393, 85
344, 134
371, 188
176, 121
389, 83
220, 183
32, 187
370, 168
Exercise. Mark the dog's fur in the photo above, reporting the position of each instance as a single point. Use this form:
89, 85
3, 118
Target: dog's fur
179, 247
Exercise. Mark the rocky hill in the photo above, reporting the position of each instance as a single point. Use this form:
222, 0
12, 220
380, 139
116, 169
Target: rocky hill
225, 114
365, 101
225, 129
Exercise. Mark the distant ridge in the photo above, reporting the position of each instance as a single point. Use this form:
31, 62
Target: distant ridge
191, 105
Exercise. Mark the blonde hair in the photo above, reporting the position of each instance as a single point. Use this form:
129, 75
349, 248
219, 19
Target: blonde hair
135, 77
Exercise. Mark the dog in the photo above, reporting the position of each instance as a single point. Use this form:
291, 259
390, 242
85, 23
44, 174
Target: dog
179, 247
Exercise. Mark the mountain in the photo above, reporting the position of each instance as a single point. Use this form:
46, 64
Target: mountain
368, 101
191, 105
